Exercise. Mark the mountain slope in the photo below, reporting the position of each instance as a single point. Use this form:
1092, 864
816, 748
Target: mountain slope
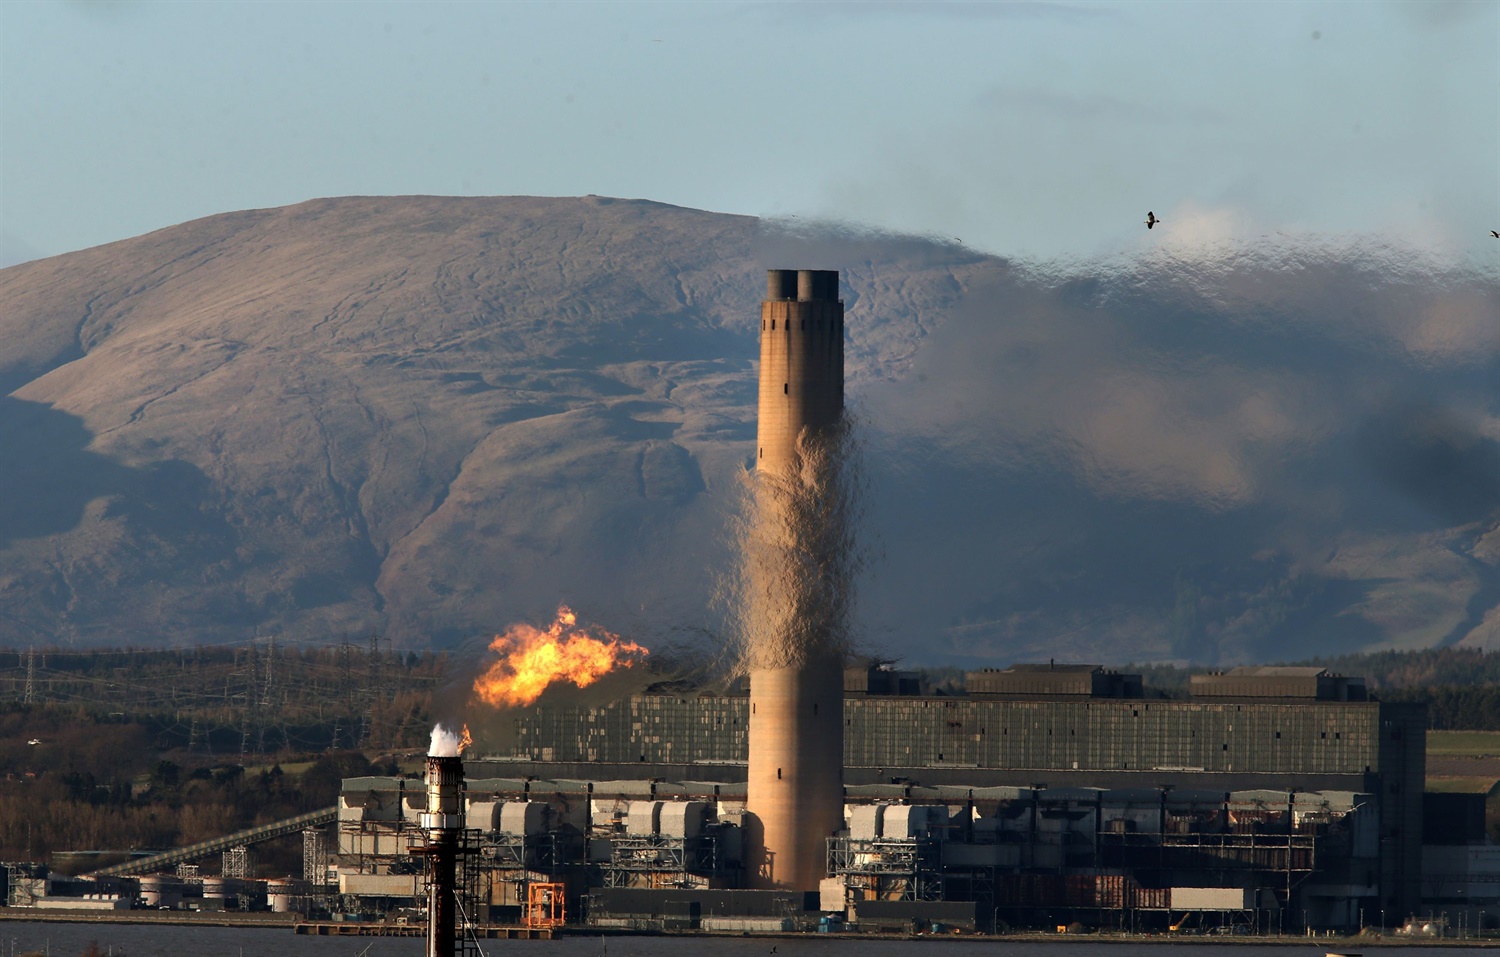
433, 416
426, 416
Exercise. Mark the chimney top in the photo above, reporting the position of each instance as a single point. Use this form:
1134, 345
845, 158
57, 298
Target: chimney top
804, 285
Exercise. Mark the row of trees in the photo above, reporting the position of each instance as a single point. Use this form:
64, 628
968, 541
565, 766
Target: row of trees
121, 750
90, 785
1455, 709
1461, 686
259, 697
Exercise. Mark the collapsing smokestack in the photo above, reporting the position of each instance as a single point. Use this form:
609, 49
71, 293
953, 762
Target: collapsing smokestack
795, 585
444, 822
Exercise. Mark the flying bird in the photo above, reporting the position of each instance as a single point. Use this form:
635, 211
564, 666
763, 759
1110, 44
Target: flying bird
1151, 219
1495, 234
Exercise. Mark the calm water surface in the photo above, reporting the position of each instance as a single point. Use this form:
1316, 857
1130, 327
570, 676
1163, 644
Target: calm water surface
133, 940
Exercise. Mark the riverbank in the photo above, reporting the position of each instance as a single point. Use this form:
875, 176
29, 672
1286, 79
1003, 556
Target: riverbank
302, 927
198, 918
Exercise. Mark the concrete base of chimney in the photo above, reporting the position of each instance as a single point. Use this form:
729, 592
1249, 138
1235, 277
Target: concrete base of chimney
795, 796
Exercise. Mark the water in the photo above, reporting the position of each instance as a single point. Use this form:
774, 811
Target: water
136, 940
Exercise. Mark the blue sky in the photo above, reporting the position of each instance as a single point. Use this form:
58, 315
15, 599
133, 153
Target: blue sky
1040, 130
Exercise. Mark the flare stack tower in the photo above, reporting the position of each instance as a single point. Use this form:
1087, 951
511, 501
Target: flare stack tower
443, 822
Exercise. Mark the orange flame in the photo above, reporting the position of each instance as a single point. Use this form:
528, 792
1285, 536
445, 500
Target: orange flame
465, 739
532, 659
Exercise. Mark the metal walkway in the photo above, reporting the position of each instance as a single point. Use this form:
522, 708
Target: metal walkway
254, 835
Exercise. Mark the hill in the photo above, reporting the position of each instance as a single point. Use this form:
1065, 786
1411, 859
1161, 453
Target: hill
431, 417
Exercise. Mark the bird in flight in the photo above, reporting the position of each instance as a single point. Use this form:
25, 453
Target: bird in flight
1151, 219
1495, 234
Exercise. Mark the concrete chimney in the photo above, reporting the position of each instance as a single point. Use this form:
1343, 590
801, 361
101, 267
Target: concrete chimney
795, 799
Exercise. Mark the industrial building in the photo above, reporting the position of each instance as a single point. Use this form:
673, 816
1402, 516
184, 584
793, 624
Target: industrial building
1056, 793
1276, 800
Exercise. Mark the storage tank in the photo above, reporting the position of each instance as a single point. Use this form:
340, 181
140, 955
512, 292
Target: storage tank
682, 819
864, 821
643, 819
904, 822
523, 818
484, 815
280, 893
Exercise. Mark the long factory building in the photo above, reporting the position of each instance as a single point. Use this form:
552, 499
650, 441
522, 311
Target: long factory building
1276, 799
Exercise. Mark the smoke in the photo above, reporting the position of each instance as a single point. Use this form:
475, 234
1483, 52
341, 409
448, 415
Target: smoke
447, 743
791, 598
1220, 451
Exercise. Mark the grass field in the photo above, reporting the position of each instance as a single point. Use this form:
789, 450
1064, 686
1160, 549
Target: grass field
1484, 785
1474, 744
1465, 762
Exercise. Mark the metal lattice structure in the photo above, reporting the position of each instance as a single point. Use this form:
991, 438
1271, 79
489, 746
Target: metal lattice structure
24, 883
194, 852
518, 860
315, 856
544, 905
639, 860
906, 869
236, 862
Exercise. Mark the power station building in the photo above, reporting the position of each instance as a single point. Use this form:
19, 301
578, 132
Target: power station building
1277, 799
1272, 798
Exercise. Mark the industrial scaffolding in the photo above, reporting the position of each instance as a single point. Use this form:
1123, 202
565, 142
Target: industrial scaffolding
1282, 854
653, 860
523, 860
315, 858
235, 862
902, 869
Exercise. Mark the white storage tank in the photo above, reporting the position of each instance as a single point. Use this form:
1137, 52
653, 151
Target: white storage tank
643, 819
682, 818
483, 815
904, 821
279, 895
523, 818
864, 821
215, 893
161, 890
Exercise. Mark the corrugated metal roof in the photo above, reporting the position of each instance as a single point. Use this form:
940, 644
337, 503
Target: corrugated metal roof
1118, 796
1003, 793
629, 788
876, 790
376, 784
1070, 794
1074, 669
1260, 796
506, 785
1195, 796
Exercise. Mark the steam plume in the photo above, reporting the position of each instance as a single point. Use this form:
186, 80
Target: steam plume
447, 743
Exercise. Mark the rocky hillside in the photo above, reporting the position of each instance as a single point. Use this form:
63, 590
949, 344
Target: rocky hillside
432, 417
